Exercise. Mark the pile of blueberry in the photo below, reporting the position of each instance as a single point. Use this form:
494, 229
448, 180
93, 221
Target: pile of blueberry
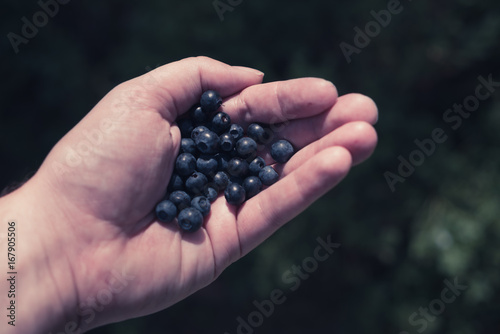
216, 155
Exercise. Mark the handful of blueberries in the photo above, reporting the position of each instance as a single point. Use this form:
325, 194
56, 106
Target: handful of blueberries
216, 155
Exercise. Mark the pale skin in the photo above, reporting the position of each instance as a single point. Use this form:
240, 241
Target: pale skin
81, 222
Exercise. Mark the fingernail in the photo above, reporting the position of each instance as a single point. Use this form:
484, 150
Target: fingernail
249, 70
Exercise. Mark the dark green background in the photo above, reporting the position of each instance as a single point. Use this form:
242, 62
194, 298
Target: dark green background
397, 247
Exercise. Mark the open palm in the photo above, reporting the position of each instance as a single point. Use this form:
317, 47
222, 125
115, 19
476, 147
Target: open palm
110, 170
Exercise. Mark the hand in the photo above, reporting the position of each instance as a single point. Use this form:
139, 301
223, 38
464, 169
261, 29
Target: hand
91, 229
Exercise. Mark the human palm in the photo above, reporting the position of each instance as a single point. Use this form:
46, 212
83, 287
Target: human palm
109, 171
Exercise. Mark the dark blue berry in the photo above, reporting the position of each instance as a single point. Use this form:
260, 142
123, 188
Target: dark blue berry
197, 131
236, 131
226, 142
246, 147
256, 166
198, 114
176, 183
188, 146
190, 219
234, 194
207, 142
259, 133
237, 167
221, 179
207, 164
185, 164
268, 175
181, 199
221, 122
186, 126
196, 182
252, 186
166, 211
210, 101
223, 160
202, 204
282, 151
210, 193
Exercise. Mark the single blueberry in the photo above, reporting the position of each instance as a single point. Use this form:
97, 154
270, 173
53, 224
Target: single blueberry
236, 131
223, 160
234, 194
262, 135
237, 167
185, 164
181, 199
268, 175
166, 211
176, 183
207, 142
252, 186
221, 122
190, 219
210, 101
198, 115
196, 182
226, 142
256, 166
202, 204
188, 146
207, 164
221, 179
197, 131
282, 151
186, 126
246, 147
210, 193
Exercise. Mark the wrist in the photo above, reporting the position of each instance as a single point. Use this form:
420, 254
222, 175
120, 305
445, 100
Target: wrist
41, 289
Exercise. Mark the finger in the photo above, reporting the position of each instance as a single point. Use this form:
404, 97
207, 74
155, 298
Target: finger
359, 138
174, 88
265, 213
281, 101
348, 108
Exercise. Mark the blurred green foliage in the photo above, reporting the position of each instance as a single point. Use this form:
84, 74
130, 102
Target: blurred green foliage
397, 248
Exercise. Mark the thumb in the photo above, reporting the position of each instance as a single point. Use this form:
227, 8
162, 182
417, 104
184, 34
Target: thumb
178, 85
